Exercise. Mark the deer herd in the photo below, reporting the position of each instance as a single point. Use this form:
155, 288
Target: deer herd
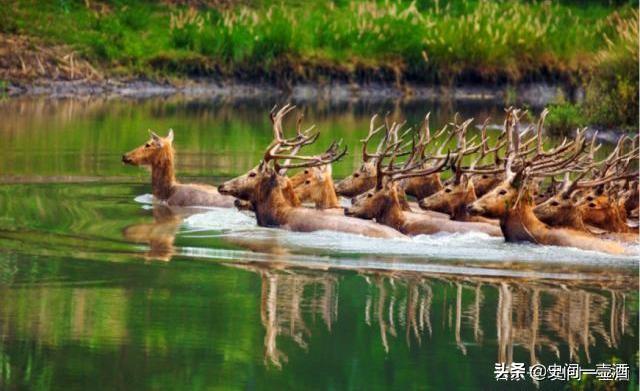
506, 185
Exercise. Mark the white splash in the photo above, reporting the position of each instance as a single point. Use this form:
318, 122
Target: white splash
240, 228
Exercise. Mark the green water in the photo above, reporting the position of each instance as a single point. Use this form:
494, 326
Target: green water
98, 290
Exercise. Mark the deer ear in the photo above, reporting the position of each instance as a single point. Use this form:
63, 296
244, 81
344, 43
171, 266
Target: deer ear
153, 135
169, 137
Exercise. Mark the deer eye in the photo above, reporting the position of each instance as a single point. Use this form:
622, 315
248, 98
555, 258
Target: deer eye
485, 176
369, 195
502, 192
447, 190
555, 203
307, 182
147, 145
590, 198
306, 171
252, 174
356, 175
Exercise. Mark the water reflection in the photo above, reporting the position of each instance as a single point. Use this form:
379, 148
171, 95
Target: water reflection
288, 316
538, 317
160, 234
85, 137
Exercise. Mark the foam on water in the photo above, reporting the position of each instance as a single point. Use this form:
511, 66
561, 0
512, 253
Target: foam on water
146, 199
240, 227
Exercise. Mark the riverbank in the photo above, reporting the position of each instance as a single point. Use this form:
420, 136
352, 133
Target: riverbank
340, 50
532, 94
286, 43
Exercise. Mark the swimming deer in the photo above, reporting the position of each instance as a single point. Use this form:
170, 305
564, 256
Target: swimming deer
382, 203
601, 206
512, 203
364, 178
565, 210
454, 198
273, 198
158, 153
459, 191
315, 184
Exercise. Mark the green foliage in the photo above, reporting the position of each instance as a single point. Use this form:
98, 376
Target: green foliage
612, 93
426, 40
564, 118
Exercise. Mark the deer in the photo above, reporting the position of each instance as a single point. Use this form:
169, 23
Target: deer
601, 206
271, 193
315, 184
512, 203
382, 203
364, 178
158, 153
454, 198
564, 210
460, 190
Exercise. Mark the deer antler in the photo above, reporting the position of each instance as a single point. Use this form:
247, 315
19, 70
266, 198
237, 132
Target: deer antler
281, 144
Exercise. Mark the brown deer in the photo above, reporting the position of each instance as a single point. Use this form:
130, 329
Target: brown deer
315, 184
273, 198
601, 206
565, 210
454, 198
459, 191
382, 203
158, 153
512, 203
364, 178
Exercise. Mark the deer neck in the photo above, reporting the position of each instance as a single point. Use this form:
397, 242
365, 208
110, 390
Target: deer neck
272, 203
616, 223
163, 179
328, 198
423, 187
573, 219
520, 224
391, 215
459, 210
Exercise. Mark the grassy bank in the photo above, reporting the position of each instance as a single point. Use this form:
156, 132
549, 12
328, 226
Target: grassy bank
423, 41
611, 85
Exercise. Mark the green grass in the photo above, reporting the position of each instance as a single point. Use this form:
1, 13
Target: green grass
431, 41
611, 93
564, 118
420, 41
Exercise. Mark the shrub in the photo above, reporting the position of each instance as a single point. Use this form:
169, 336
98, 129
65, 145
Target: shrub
564, 118
611, 97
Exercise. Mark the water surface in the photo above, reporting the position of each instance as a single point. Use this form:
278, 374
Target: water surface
101, 289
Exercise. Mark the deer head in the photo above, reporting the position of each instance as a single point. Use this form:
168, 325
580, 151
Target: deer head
451, 197
156, 150
561, 208
268, 180
316, 184
521, 170
387, 194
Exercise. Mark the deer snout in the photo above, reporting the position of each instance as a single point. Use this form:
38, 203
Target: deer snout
592, 205
475, 210
222, 189
126, 159
348, 212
